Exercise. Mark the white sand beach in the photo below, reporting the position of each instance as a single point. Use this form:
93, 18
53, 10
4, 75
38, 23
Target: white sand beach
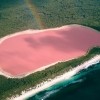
65, 76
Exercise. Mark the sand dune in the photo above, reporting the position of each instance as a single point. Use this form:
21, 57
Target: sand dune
27, 51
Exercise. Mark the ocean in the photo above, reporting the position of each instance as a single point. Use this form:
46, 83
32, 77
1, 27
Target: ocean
85, 85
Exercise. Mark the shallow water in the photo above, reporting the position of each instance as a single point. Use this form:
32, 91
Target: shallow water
85, 85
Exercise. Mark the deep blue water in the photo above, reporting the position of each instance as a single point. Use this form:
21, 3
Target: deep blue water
85, 85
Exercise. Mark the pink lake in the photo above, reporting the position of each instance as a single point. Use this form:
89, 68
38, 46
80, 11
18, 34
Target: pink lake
28, 52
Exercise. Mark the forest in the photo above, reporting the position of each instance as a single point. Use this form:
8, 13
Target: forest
63, 12
19, 15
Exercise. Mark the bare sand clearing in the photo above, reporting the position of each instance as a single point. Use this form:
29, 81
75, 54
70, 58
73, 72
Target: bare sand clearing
26, 51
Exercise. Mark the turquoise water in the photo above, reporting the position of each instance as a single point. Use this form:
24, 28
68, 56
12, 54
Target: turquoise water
85, 85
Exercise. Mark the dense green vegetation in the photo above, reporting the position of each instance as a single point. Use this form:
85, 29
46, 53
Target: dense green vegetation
10, 87
15, 15
61, 12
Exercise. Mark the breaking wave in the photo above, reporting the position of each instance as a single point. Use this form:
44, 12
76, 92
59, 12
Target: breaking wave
83, 83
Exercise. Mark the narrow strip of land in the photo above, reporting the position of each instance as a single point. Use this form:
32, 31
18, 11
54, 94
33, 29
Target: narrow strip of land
64, 76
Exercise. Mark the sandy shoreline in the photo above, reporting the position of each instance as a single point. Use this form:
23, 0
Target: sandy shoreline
51, 82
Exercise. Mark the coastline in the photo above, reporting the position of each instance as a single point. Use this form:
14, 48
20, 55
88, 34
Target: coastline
50, 82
